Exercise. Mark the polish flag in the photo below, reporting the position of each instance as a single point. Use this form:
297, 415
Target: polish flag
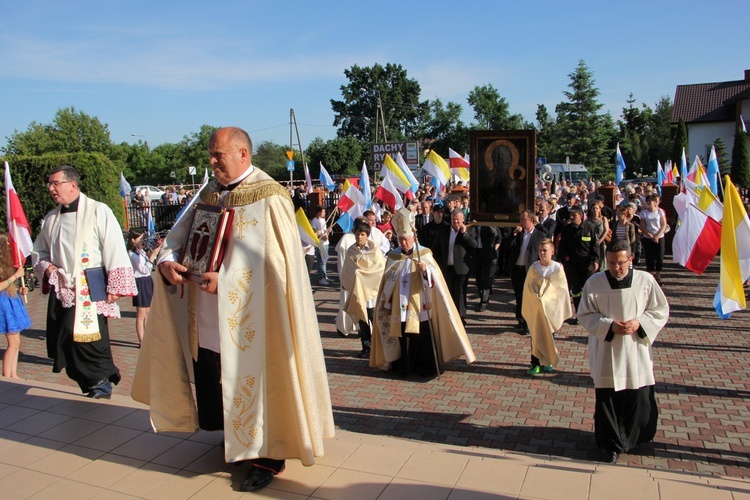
389, 194
697, 241
19, 231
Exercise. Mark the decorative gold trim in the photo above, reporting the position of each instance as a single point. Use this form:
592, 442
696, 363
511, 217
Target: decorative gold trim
86, 337
244, 194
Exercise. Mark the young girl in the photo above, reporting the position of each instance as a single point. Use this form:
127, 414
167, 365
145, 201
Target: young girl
13, 315
143, 263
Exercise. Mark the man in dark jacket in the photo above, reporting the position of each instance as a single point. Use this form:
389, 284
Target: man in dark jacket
485, 262
453, 248
524, 251
579, 253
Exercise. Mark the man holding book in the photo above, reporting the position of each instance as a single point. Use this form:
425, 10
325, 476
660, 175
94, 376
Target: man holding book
72, 259
247, 333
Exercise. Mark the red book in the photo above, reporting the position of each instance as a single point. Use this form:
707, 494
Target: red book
207, 239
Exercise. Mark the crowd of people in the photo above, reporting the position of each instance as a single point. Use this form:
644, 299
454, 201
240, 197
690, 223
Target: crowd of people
240, 351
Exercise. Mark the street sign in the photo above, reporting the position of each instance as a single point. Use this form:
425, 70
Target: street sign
191, 170
290, 166
290, 154
172, 174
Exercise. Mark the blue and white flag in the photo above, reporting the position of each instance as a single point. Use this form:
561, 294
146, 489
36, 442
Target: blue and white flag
713, 171
325, 178
124, 186
620, 166
364, 183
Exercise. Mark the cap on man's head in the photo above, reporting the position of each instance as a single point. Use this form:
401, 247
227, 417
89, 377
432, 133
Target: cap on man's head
552, 196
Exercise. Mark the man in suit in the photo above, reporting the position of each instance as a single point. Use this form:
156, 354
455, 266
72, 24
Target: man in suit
485, 262
546, 223
424, 218
428, 233
524, 252
452, 249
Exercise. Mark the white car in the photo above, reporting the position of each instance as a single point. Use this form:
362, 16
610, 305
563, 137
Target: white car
153, 192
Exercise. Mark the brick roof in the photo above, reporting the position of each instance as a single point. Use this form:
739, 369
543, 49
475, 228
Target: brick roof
710, 102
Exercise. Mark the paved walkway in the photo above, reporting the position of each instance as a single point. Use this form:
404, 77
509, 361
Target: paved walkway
489, 415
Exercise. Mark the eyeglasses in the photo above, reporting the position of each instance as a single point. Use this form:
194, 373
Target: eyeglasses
56, 183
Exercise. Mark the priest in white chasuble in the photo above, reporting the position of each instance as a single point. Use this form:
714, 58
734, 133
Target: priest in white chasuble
623, 310
416, 319
247, 335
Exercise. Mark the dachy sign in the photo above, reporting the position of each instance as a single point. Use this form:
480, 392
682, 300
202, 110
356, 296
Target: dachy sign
409, 151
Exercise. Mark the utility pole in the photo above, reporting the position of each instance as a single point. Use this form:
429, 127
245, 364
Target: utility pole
293, 128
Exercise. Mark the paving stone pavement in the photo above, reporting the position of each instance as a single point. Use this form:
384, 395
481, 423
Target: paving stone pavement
701, 371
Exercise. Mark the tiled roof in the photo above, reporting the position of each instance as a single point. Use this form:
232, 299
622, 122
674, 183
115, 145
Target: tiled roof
709, 102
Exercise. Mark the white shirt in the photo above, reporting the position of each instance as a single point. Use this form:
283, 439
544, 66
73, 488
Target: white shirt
524, 246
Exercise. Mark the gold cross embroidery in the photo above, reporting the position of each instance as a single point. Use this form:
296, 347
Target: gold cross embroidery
241, 223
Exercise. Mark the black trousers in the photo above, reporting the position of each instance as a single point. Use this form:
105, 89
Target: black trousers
89, 364
484, 273
207, 373
654, 254
576, 272
458, 286
625, 418
365, 334
517, 279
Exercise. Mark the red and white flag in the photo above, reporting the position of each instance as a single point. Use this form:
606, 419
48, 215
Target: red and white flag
389, 194
459, 165
19, 231
697, 241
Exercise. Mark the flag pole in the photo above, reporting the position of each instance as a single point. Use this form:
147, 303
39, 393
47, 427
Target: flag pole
21, 261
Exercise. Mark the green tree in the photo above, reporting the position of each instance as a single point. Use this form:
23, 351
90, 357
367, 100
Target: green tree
71, 131
740, 161
271, 158
661, 131
546, 134
680, 141
586, 136
444, 128
340, 156
722, 157
491, 110
355, 114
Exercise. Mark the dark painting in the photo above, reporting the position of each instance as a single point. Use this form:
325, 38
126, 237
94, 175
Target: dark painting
502, 175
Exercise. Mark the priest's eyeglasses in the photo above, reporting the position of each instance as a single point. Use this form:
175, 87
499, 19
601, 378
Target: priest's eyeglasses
56, 183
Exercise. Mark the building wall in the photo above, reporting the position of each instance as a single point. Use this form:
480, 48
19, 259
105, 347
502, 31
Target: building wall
701, 137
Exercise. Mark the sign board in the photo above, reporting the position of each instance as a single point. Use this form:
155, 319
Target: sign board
290, 165
172, 174
409, 150
289, 154
192, 170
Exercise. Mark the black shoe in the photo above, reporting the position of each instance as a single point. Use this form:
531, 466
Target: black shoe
525, 330
572, 321
482, 307
257, 478
609, 457
365, 353
102, 390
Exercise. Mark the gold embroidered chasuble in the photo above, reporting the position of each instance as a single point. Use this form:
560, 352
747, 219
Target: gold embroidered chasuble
275, 388
451, 341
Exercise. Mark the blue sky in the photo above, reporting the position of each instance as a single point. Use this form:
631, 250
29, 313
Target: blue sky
161, 69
